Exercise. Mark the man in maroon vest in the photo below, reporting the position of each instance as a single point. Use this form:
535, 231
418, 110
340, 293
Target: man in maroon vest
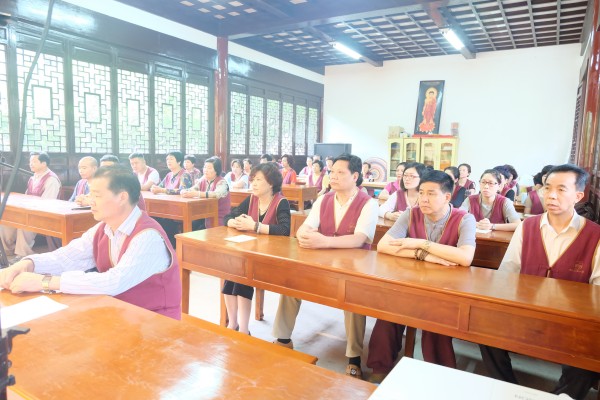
343, 218
558, 244
147, 175
45, 184
434, 232
126, 255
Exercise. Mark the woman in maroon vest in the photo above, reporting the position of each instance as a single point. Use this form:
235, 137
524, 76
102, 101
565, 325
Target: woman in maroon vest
459, 193
316, 176
211, 185
506, 189
463, 180
267, 212
407, 196
492, 211
534, 204
393, 186
289, 175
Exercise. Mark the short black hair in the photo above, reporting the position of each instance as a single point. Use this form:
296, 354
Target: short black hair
494, 172
403, 163
503, 170
266, 157
236, 161
329, 158
42, 157
512, 171
270, 170
419, 167
546, 169
178, 156
136, 155
454, 171
110, 158
354, 165
443, 179
290, 159
581, 175
319, 163
120, 179
216, 163
190, 157
249, 161
465, 165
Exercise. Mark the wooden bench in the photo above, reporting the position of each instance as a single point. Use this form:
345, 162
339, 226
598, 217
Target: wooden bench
255, 342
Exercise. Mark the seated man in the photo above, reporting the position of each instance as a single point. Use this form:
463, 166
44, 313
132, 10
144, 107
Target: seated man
549, 245
45, 184
434, 232
128, 251
147, 176
343, 218
87, 168
109, 160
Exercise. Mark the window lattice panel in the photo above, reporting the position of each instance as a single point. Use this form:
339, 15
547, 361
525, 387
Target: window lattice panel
313, 129
91, 107
257, 113
167, 114
287, 128
273, 118
238, 129
45, 128
133, 112
4, 120
300, 130
196, 118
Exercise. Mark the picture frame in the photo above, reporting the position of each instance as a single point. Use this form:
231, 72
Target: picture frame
429, 107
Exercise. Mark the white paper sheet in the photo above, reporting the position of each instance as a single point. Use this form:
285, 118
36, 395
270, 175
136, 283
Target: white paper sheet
29, 310
240, 238
483, 230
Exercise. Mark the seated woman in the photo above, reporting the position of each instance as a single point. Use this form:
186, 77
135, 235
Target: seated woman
306, 171
316, 178
459, 193
366, 172
288, 173
490, 209
463, 180
177, 179
504, 190
534, 204
267, 212
511, 181
247, 163
392, 187
407, 196
189, 163
211, 185
236, 178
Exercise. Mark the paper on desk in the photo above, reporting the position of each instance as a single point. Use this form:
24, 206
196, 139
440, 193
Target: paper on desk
240, 238
483, 230
411, 379
29, 310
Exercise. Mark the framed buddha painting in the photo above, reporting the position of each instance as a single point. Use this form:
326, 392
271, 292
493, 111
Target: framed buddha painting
429, 107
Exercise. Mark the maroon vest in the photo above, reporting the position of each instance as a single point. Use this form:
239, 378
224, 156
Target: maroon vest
38, 189
401, 203
575, 264
161, 292
172, 182
469, 184
271, 215
497, 217
224, 202
348, 222
141, 203
536, 203
450, 236
147, 174
81, 187
319, 183
289, 176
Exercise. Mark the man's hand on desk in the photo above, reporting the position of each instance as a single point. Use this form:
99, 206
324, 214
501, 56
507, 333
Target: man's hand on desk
157, 189
8, 275
27, 282
312, 239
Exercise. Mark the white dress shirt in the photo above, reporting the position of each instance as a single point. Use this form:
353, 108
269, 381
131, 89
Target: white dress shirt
556, 243
145, 256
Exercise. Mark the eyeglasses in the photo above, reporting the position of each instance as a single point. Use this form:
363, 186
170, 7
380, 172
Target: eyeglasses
487, 183
411, 176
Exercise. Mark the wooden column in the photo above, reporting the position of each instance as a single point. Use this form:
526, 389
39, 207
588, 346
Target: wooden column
589, 126
221, 100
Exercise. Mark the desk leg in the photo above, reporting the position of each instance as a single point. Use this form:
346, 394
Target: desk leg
187, 225
301, 204
185, 291
223, 318
259, 304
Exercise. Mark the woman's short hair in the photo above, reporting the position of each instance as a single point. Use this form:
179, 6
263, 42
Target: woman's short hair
319, 163
190, 157
290, 160
236, 161
177, 155
419, 167
454, 171
270, 170
216, 163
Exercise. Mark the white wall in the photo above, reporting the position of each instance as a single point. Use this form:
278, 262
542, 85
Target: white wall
514, 107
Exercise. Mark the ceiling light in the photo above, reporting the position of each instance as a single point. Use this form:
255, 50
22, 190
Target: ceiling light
349, 52
452, 38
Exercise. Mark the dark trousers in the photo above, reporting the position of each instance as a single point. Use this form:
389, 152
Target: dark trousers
575, 382
171, 228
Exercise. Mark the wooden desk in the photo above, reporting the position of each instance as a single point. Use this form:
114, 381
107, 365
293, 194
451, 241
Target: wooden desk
374, 185
551, 319
489, 249
103, 348
520, 208
47, 216
181, 209
298, 193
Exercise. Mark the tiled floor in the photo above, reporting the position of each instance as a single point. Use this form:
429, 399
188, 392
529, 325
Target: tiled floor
320, 332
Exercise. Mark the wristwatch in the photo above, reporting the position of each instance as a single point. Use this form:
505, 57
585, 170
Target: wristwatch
46, 284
